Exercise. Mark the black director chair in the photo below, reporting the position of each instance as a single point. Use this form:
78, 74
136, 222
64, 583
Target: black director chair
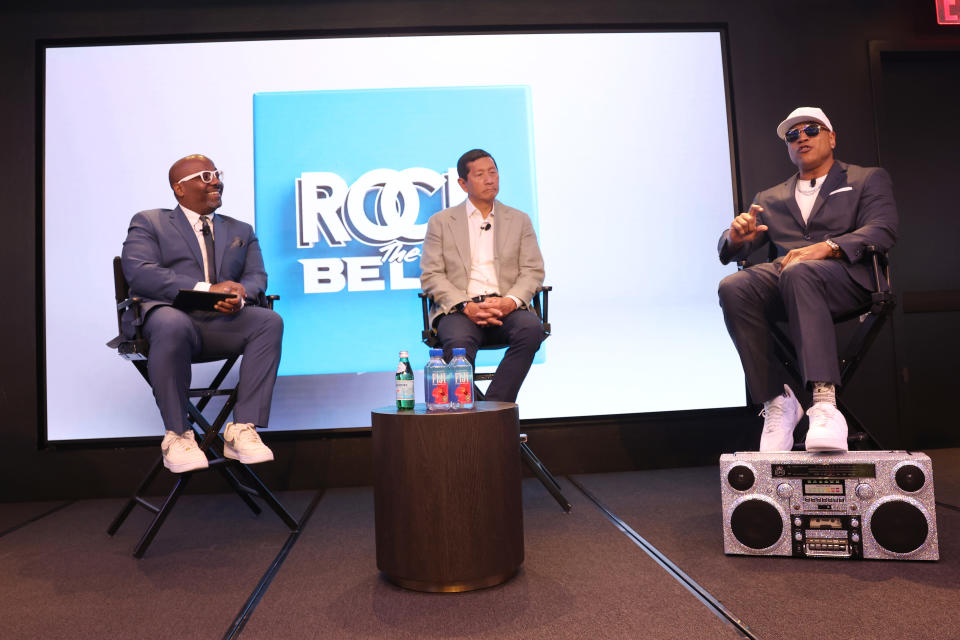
541, 308
239, 476
871, 318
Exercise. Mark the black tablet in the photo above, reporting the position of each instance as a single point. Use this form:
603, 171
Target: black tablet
194, 300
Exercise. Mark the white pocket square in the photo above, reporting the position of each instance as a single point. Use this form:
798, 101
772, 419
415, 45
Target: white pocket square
840, 190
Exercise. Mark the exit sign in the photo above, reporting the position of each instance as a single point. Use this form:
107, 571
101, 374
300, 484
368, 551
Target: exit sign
948, 12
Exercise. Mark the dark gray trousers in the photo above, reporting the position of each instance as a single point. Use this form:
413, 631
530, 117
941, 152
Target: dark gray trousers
177, 339
521, 331
808, 296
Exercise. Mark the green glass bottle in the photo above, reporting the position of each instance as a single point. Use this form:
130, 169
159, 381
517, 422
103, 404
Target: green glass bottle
405, 397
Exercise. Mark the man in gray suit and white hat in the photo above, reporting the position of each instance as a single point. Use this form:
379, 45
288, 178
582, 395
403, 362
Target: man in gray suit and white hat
820, 221
481, 265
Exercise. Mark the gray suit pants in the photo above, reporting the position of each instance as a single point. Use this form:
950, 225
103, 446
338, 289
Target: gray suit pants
521, 331
177, 339
807, 296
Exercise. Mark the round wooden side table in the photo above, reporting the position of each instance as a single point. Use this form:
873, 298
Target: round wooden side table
447, 496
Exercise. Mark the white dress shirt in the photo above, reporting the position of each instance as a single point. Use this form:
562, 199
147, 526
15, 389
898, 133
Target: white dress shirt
483, 270
194, 219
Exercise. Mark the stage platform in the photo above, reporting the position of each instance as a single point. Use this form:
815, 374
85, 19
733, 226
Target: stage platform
639, 556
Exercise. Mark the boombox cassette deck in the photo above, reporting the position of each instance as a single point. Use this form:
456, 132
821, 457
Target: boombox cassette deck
854, 505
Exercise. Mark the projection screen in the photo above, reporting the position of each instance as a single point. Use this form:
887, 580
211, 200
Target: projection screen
617, 144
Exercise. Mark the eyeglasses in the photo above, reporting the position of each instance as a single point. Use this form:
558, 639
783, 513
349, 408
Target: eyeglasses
811, 131
206, 176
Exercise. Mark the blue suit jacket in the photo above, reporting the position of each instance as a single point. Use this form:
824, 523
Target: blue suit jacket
854, 208
161, 255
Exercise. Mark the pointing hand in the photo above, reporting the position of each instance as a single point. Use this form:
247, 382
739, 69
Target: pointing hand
744, 227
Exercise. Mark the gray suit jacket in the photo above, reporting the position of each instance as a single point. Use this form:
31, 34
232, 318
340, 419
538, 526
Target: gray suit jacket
161, 255
445, 263
854, 208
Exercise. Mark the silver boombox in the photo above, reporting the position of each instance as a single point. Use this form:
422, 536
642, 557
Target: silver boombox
860, 504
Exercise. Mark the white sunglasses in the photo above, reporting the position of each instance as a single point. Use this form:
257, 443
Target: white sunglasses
206, 176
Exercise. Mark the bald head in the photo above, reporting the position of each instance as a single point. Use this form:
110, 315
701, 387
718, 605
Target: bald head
195, 194
187, 165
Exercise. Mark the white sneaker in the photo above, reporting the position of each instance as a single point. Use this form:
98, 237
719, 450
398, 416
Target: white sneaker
828, 428
243, 443
780, 417
181, 453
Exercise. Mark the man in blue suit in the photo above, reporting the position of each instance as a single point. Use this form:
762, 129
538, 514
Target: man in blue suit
819, 221
191, 247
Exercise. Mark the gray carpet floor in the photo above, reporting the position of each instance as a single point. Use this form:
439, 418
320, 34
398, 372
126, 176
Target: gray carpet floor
582, 578
678, 512
61, 576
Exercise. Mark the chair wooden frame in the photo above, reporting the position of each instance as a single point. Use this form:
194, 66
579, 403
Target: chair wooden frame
238, 475
871, 318
541, 307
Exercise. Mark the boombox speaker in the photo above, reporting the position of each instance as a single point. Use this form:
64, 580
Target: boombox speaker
860, 504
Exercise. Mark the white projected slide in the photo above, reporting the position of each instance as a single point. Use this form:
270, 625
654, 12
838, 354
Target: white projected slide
633, 185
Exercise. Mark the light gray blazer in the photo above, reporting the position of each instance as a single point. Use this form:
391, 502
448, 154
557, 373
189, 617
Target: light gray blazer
445, 263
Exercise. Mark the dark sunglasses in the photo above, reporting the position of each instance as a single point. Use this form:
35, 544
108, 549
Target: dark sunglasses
811, 131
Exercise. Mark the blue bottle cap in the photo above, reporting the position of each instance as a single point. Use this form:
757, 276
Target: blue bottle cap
459, 351
435, 353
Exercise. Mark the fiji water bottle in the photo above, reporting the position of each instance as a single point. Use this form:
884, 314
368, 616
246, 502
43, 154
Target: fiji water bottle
462, 380
405, 400
437, 381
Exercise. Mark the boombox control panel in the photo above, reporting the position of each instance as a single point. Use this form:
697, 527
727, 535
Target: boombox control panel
861, 504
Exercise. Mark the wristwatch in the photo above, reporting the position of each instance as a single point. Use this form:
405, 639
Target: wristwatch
835, 251
460, 306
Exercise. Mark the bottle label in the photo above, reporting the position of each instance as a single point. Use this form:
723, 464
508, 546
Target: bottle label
440, 393
404, 390
464, 393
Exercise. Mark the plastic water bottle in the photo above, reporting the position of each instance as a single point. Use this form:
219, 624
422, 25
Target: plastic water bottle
437, 382
405, 399
462, 379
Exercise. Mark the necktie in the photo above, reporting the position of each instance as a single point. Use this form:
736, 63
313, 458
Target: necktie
208, 245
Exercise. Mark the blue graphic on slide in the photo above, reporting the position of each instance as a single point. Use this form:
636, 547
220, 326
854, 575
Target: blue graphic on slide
345, 183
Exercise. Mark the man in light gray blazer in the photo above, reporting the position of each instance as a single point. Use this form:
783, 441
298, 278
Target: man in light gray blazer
819, 221
190, 247
481, 266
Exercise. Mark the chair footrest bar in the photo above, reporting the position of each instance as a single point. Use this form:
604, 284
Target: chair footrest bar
207, 393
249, 490
146, 504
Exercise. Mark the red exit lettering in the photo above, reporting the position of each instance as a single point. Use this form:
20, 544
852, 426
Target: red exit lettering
948, 12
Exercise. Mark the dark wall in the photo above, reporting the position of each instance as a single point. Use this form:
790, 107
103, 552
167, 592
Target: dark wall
782, 54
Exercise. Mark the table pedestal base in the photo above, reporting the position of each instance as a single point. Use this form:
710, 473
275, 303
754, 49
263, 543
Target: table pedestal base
447, 497
451, 587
